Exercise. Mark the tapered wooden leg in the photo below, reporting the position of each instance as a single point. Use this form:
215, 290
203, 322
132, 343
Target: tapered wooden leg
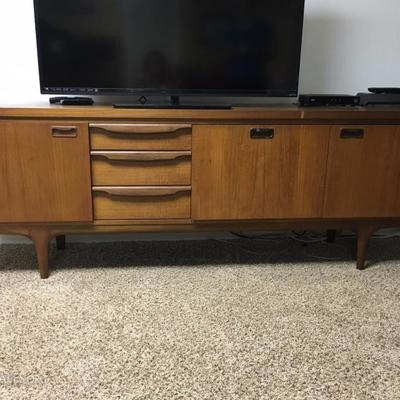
60, 240
363, 236
41, 239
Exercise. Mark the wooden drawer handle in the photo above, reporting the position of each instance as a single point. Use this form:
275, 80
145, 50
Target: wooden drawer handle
64, 131
262, 133
351, 133
141, 155
140, 191
140, 129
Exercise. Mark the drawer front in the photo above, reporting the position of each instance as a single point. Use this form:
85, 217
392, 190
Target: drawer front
140, 137
131, 168
141, 202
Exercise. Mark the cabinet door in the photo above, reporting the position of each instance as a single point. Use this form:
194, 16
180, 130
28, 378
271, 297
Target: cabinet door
44, 172
240, 177
363, 172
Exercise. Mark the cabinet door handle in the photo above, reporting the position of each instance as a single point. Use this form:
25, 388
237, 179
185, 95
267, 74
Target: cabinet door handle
141, 155
351, 133
142, 191
262, 133
64, 131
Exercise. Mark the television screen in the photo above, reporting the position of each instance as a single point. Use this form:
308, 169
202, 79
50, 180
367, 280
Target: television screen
222, 47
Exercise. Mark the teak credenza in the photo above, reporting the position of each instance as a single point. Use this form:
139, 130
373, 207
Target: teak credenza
66, 170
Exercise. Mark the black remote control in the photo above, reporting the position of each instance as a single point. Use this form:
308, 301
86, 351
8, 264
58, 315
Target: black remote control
72, 101
383, 90
56, 100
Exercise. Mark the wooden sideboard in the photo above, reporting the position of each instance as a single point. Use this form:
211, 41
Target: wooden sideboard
71, 170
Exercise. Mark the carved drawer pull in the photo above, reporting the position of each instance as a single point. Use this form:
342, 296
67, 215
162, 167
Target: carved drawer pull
262, 133
141, 155
352, 133
140, 129
64, 131
142, 191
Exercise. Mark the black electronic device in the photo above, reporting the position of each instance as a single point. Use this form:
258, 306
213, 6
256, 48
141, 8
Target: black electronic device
56, 100
375, 99
322, 100
169, 48
71, 101
384, 90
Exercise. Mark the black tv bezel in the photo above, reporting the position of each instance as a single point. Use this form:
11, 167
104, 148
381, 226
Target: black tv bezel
98, 91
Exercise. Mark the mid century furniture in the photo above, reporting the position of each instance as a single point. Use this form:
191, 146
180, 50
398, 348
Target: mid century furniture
98, 169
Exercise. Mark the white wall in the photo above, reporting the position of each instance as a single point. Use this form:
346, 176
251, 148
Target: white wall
348, 46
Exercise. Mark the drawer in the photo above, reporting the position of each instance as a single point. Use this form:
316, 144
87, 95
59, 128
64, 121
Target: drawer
157, 168
151, 202
140, 137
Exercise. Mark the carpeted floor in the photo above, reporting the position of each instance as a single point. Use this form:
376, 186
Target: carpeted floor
201, 320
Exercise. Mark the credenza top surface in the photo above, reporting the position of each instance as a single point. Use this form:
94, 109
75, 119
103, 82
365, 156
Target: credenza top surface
249, 113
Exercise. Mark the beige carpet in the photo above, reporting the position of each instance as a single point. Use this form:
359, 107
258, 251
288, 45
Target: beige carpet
201, 320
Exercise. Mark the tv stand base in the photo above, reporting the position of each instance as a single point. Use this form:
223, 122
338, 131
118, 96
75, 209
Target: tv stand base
174, 104
89, 170
167, 106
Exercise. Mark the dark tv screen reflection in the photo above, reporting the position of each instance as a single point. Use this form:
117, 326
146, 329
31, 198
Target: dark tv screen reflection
174, 47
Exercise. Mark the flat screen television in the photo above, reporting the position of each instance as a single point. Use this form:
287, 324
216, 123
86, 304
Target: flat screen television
169, 47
